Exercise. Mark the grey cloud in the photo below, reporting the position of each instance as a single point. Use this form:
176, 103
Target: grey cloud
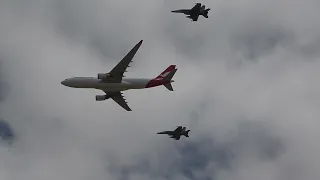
260, 137
108, 34
310, 49
202, 157
260, 39
187, 40
6, 130
83, 29
4, 90
4, 86
65, 134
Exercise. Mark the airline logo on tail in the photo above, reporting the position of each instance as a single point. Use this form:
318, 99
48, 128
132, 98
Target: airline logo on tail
161, 76
165, 72
164, 78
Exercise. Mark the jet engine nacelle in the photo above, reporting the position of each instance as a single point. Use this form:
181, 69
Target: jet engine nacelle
101, 97
102, 76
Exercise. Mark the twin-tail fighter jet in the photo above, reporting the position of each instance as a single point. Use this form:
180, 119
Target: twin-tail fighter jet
113, 83
179, 131
194, 12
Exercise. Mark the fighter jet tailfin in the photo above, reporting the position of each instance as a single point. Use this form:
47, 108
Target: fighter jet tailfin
205, 13
187, 133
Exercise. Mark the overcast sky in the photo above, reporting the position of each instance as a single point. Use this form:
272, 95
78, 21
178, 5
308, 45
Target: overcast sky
247, 86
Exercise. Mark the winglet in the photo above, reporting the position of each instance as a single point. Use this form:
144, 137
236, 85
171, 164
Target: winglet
137, 46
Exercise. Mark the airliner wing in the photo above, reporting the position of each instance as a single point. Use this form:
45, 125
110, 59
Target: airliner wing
117, 72
118, 98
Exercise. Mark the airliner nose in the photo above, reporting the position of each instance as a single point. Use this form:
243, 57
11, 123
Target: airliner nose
63, 82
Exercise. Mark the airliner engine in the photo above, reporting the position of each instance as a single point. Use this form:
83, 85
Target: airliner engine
101, 97
103, 75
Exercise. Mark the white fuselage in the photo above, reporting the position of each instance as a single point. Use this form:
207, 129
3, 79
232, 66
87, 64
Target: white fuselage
95, 83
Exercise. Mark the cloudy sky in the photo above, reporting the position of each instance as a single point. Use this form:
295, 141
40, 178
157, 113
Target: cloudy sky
247, 86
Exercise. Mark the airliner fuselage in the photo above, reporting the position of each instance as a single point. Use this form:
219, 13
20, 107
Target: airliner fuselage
125, 84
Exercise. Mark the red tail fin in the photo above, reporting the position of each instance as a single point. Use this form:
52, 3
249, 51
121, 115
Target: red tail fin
166, 72
164, 78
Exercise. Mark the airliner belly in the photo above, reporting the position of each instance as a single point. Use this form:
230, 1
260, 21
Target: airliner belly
136, 83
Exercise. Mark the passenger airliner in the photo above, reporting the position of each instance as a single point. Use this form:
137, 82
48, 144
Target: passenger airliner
113, 83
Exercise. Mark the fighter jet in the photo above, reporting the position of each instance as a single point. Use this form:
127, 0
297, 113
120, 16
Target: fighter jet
113, 83
179, 131
195, 12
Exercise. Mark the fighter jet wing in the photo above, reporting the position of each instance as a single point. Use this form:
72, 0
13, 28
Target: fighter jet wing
176, 137
116, 73
178, 129
118, 98
196, 7
195, 18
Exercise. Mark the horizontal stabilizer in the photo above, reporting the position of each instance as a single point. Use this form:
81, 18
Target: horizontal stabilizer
168, 78
168, 86
187, 133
